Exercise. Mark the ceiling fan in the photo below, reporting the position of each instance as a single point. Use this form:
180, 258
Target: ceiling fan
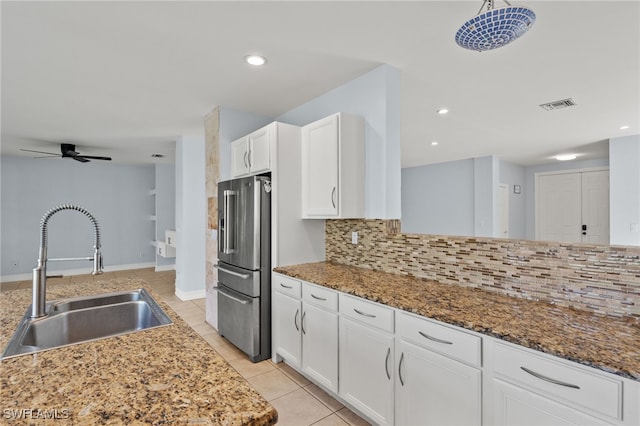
69, 151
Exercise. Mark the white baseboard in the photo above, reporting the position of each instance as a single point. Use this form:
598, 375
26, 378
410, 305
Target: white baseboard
79, 271
161, 268
190, 295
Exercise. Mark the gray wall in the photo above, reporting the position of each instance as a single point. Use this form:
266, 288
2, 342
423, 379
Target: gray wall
624, 156
513, 174
165, 199
438, 198
117, 195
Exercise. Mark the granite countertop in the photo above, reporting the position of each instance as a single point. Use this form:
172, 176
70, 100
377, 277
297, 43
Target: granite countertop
606, 343
165, 375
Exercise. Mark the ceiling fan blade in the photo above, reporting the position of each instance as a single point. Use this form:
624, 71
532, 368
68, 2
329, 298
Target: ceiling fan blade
79, 158
41, 152
46, 156
92, 157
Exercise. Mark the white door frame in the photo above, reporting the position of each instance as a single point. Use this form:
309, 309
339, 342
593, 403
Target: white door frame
536, 178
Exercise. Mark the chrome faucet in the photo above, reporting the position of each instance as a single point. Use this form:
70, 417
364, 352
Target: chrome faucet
40, 271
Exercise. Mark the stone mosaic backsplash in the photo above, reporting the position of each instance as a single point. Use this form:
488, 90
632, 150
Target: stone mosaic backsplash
601, 279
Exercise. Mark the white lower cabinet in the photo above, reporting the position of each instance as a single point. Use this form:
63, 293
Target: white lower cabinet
366, 368
286, 328
515, 406
431, 387
305, 329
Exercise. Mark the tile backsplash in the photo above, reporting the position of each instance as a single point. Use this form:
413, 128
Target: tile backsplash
602, 279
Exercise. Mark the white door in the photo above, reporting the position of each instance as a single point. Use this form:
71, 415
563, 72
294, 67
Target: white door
595, 206
239, 157
514, 406
320, 346
320, 168
573, 207
287, 317
434, 390
258, 157
366, 370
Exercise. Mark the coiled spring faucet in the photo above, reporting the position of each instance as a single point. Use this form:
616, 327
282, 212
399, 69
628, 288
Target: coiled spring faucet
40, 271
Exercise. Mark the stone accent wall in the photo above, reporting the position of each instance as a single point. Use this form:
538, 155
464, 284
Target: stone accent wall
212, 176
601, 279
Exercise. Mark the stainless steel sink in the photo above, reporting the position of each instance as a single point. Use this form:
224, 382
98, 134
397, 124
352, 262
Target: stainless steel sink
78, 320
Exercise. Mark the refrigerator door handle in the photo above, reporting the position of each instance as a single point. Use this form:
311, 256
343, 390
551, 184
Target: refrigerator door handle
230, 296
229, 224
235, 274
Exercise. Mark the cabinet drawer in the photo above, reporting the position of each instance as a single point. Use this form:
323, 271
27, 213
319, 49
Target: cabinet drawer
446, 340
286, 285
367, 312
320, 296
590, 390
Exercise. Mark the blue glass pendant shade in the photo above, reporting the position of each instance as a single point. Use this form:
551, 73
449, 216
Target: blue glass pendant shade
495, 28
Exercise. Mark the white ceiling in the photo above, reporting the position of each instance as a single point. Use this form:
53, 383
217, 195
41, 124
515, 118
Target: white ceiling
126, 79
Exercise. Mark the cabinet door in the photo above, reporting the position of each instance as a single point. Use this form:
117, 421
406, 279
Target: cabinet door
287, 317
258, 157
432, 389
320, 168
320, 346
239, 157
514, 406
366, 368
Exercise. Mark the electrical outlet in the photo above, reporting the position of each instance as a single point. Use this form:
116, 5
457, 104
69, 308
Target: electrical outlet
354, 237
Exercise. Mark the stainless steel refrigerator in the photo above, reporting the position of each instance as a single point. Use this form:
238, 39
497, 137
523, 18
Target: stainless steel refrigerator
244, 264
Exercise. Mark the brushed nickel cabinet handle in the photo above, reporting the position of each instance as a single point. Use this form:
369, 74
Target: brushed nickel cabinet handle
426, 336
549, 379
333, 193
400, 368
295, 319
302, 323
286, 286
364, 314
318, 297
245, 159
386, 363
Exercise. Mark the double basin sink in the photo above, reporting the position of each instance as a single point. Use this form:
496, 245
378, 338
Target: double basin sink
83, 319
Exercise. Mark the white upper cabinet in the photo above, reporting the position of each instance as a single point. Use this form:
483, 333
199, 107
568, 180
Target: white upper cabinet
333, 167
251, 154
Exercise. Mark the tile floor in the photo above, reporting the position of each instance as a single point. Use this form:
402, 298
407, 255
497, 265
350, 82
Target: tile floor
298, 401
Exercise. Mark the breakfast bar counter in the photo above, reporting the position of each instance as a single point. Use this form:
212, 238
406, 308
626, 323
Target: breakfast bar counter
606, 343
164, 375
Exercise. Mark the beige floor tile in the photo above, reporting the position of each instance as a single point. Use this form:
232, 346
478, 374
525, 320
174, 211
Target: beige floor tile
332, 420
273, 384
203, 328
249, 369
192, 317
293, 374
331, 403
201, 303
230, 352
351, 417
299, 408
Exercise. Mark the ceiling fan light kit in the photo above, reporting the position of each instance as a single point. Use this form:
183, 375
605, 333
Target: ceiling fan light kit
494, 28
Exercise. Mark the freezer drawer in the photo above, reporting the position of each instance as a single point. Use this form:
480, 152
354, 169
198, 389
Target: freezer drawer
239, 320
238, 279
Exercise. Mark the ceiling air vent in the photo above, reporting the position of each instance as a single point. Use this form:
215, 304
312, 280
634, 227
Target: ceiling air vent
550, 106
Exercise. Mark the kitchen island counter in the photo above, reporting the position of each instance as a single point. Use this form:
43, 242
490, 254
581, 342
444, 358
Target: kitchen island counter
606, 343
165, 375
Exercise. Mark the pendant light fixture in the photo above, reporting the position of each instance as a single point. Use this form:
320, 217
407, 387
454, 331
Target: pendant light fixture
492, 28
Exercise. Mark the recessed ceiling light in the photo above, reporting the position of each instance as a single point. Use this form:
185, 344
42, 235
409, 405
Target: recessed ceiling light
624, 127
434, 143
255, 60
443, 111
565, 157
